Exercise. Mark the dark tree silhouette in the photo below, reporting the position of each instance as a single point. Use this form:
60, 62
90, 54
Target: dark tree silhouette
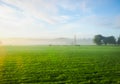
109, 40
118, 41
99, 39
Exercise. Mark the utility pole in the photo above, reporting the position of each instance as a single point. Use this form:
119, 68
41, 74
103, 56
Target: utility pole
75, 40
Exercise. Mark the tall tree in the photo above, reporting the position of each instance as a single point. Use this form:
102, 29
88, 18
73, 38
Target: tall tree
97, 39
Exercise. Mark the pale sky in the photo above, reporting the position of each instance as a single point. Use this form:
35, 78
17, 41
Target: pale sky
59, 18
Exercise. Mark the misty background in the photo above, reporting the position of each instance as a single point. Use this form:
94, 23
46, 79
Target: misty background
56, 41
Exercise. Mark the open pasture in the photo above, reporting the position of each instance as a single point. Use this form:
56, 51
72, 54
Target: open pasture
60, 64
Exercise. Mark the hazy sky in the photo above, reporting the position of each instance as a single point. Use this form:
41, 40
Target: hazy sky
59, 18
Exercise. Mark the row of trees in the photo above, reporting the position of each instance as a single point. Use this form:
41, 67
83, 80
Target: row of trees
99, 40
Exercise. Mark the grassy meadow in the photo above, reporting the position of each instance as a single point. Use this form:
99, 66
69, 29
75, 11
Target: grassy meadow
59, 65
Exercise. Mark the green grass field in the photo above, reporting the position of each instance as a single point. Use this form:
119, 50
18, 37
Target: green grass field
60, 64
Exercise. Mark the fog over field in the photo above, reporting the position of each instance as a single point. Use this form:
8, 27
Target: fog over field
56, 41
59, 41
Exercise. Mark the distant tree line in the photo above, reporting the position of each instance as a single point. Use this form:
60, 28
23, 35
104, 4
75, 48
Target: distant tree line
102, 40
